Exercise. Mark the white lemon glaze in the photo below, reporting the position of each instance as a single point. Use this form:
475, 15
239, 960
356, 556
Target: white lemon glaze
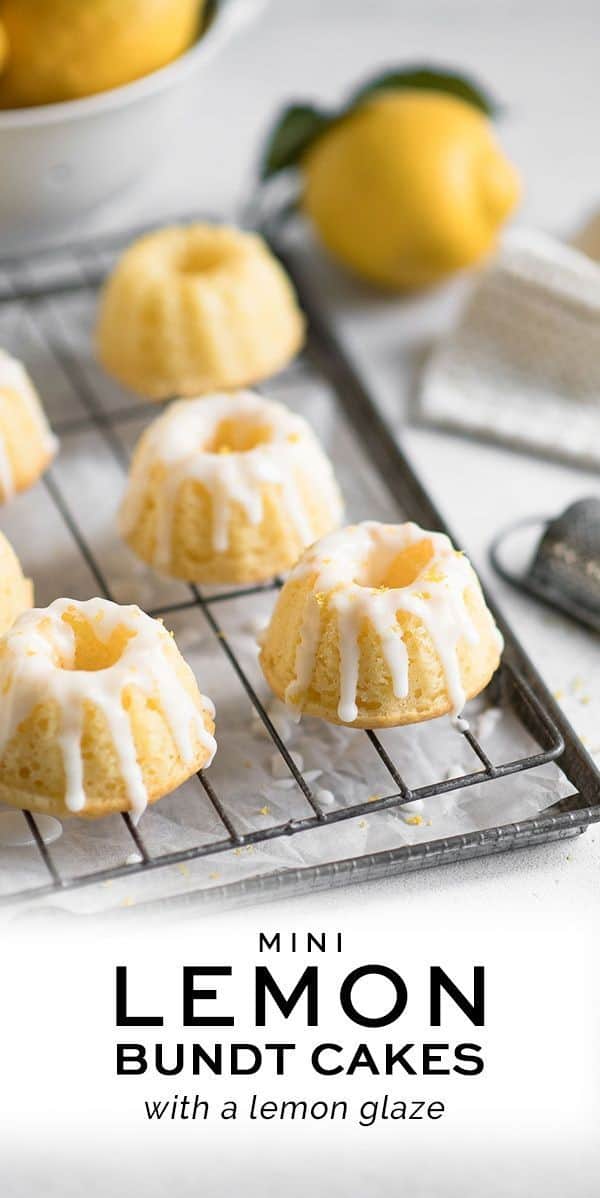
342, 564
37, 665
14, 377
178, 439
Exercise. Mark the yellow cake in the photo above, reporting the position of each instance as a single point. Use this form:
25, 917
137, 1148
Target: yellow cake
16, 592
26, 444
100, 713
379, 625
195, 309
227, 489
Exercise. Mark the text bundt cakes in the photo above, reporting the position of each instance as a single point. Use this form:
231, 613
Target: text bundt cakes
380, 625
99, 711
16, 592
27, 445
227, 489
195, 309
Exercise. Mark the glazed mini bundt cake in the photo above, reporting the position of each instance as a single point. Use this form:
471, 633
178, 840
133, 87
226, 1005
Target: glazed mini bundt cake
379, 625
227, 489
16, 592
27, 445
195, 309
99, 711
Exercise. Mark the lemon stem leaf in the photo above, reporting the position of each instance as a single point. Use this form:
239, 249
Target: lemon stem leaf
428, 79
293, 133
299, 126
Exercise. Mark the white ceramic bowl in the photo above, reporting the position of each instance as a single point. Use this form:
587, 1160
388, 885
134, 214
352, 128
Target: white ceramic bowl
60, 161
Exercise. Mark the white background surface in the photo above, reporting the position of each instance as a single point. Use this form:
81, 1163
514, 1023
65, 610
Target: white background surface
540, 59
516, 911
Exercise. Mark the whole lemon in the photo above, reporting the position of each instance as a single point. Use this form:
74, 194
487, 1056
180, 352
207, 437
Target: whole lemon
65, 49
3, 46
408, 187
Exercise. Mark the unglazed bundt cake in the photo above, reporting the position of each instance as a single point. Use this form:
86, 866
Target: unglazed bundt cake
26, 444
194, 309
99, 711
379, 625
16, 592
227, 489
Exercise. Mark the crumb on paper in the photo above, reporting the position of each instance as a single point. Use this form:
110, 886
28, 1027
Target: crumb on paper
183, 868
214, 877
558, 695
127, 902
415, 820
362, 823
585, 700
237, 852
373, 798
264, 810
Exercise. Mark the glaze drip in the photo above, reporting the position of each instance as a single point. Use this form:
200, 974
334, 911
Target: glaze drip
183, 441
37, 663
342, 566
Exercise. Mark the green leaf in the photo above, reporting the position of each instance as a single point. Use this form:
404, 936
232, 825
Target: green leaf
301, 124
291, 136
428, 79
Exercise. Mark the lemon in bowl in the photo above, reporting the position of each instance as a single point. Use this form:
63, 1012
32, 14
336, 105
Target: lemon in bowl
63, 160
57, 50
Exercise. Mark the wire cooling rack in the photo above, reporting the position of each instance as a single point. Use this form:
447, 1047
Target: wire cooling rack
31, 295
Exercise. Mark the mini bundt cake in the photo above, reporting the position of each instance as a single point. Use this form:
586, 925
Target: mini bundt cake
227, 489
195, 309
16, 592
99, 711
26, 444
379, 625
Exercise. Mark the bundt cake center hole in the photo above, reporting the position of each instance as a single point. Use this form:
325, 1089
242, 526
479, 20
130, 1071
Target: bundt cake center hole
92, 651
200, 259
238, 436
399, 570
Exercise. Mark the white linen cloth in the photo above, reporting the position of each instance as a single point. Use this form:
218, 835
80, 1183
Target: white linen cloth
523, 364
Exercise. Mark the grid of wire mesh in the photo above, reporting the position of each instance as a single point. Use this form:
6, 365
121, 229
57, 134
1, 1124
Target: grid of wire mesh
82, 269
